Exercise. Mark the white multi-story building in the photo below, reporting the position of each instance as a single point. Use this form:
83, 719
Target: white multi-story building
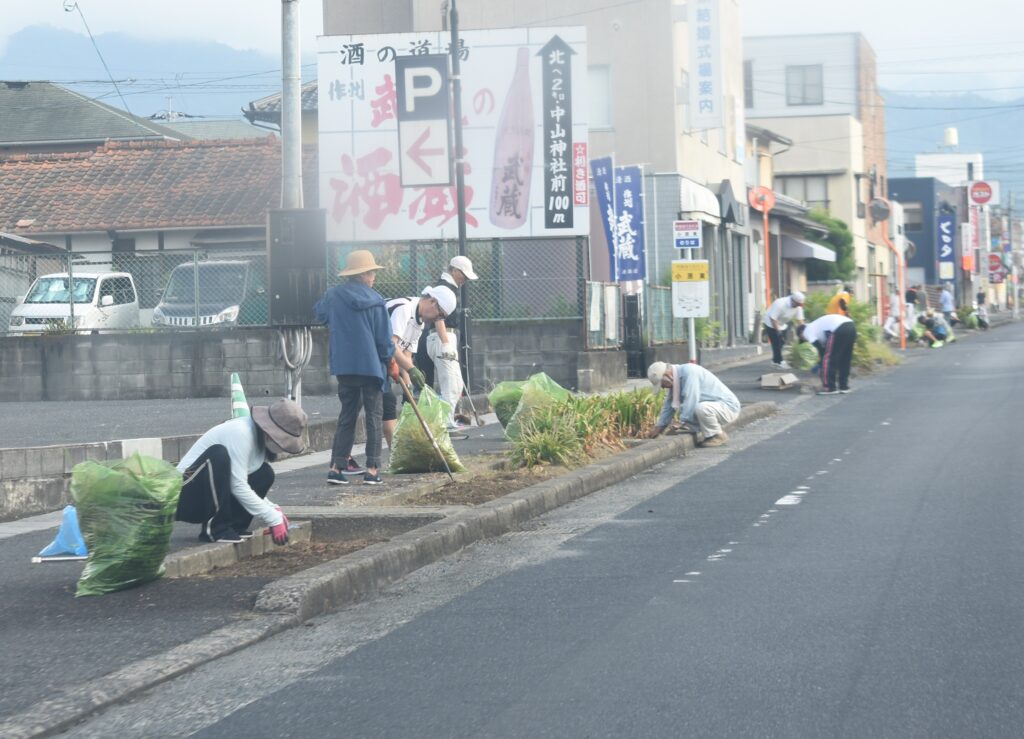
644, 85
821, 91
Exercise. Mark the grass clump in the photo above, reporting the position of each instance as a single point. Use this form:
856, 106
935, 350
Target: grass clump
570, 431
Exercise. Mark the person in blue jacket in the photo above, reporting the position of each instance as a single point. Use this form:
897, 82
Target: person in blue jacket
360, 352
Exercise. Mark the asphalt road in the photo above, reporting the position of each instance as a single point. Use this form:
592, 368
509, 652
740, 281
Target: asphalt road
850, 567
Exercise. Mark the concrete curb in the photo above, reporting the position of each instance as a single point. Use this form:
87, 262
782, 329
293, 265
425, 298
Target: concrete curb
201, 559
291, 600
353, 577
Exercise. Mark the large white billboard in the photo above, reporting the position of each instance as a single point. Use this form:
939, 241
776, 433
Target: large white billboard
524, 110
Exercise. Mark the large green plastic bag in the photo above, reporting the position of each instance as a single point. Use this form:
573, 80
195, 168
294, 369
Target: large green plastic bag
504, 399
538, 391
126, 512
803, 355
411, 450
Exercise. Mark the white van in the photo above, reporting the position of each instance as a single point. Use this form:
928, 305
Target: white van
102, 301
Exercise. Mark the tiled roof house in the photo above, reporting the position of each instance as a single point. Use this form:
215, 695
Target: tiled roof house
161, 194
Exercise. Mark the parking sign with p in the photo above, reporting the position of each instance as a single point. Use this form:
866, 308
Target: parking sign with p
421, 86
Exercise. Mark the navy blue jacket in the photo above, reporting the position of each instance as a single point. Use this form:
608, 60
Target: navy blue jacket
360, 333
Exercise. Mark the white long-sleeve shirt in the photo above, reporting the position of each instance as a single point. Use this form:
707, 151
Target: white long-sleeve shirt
818, 329
239, 437
698, 386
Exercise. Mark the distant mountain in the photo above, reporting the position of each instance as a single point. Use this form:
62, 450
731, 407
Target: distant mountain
915, 125
201, 79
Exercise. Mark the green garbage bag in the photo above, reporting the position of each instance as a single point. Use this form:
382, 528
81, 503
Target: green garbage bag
504, 399
917, 332
411, 450
538, 391
803, 355
126, 512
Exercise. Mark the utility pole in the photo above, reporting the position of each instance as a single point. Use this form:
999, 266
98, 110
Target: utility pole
1013, 259
291, 106
460, 182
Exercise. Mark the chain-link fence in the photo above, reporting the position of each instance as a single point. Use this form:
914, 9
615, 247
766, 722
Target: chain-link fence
522, 279
662, 327
519, 279
102, 291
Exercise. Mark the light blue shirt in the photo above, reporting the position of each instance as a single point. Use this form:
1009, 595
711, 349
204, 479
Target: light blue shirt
946, 301
698, 386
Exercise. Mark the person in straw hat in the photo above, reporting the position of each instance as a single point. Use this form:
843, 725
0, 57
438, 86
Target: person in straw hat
360, 352
228, 474
699, 398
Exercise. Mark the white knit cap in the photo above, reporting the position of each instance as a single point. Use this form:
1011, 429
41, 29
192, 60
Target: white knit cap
797, 297
655, 372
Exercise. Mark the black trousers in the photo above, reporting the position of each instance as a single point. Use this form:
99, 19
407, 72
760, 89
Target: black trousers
776, 338
837, 357
421, 359
206, 496
358, 392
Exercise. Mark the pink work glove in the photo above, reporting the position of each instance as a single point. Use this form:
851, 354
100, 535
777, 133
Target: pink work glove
279, 533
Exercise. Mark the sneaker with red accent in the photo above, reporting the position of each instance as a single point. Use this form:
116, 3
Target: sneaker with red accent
353, 468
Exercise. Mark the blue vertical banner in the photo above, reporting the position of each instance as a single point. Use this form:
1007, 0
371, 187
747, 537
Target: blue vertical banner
945, 240
629, 224
603, 171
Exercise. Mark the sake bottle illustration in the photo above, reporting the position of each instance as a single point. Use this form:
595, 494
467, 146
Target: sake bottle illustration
513, 151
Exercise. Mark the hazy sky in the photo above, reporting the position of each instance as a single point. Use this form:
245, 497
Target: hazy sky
921, 44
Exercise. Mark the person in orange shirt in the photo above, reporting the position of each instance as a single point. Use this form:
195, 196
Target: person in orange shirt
840, 302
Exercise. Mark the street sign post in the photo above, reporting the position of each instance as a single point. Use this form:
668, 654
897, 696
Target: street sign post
762, 199
691, 295
687, 234
421, 84
691, 288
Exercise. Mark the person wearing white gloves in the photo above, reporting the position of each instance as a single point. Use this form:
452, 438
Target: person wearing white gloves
438, 353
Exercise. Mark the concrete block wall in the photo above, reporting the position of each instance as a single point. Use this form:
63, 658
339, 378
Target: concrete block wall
151, 365
514, 350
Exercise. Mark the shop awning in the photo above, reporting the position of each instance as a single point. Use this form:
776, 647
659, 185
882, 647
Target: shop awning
697, 201
793, 248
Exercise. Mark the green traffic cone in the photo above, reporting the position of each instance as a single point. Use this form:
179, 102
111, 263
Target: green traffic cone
239, 405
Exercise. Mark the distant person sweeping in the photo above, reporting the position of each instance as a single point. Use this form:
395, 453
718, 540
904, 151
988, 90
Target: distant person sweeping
776, 321
438, 351
698, 397
228, 474
833, 335
408, 318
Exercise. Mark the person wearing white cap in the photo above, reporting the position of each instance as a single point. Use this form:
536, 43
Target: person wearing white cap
699, 398
438, 351
408, 317
776, 321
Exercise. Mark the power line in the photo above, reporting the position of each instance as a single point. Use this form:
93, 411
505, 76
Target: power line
70, 5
